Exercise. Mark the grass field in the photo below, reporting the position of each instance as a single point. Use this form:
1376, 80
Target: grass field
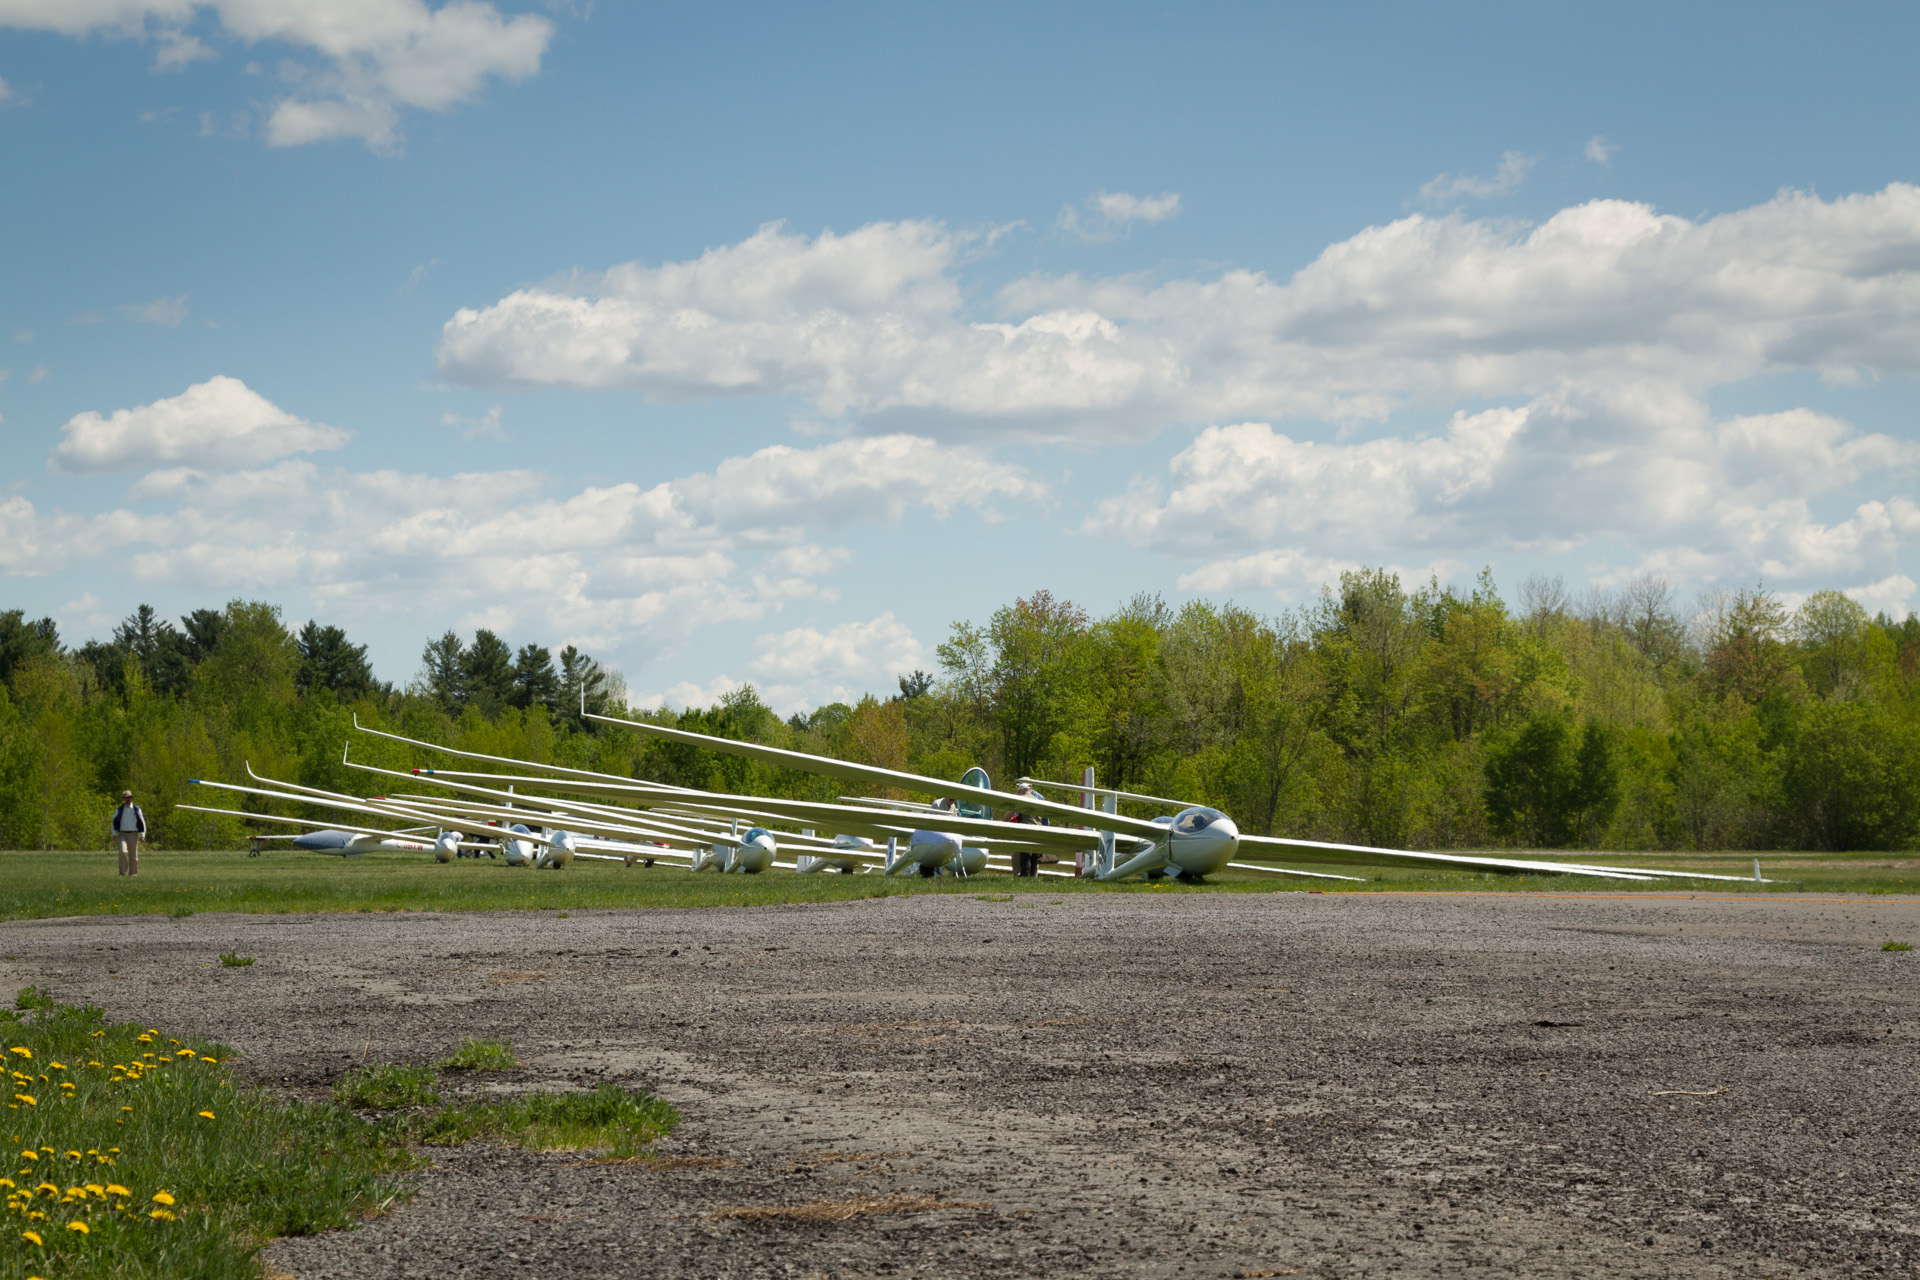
37, 885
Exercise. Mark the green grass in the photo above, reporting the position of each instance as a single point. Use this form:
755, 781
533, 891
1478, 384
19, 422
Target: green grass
146, 1129
234, 960
384, 1086
1896, 946
171, 1169
480, 1055
617, 1122
38, 885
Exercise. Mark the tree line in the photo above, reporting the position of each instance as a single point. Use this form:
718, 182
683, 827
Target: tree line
1425, 717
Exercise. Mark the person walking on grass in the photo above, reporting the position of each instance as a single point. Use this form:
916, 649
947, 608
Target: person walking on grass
129, 829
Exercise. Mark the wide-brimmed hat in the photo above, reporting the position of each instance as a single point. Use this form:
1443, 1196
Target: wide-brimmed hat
126, 795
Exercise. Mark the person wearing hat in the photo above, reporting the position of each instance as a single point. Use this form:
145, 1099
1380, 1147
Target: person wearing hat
129, 828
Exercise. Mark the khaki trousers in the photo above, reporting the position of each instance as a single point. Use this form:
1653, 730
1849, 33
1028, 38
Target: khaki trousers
129, 852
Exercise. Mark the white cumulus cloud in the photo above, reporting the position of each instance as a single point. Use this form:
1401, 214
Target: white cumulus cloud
875, 327
875, 650
1600, 151
221, 422
376, 56
602, 566
1689, 495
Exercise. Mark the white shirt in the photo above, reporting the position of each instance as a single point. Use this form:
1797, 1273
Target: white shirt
129, 818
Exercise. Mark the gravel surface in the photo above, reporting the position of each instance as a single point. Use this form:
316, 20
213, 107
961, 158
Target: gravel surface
1175, 1085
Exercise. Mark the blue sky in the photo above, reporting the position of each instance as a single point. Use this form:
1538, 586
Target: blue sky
760, 344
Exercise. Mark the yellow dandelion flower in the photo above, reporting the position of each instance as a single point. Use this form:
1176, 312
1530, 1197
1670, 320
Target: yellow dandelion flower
184, 1053
31, 1155
56, 1066
205, 1058
95, 1189
95, 1064
162, 1214
49, 1188
115, 1189
81, 1227
123, 1109
98, 1034
207, 1114
27, 1098
161, 1197
74, 1154
33, 1236
7, 1182
144, 1038
23, 1051
113, 1151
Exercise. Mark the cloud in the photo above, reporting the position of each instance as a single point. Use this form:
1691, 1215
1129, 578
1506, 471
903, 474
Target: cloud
607, 565
876, 650
377, 57
1110, 213
687, 694
39, 373
872, 328
485, 427
1600, 151
1891, 595
6, 92
1256, 508
1449, 188
161, 311
217, 423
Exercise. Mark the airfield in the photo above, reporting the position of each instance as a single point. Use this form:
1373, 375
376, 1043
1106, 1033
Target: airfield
1003, 1079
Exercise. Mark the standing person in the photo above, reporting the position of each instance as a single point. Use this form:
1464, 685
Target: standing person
1025, 863
129, 828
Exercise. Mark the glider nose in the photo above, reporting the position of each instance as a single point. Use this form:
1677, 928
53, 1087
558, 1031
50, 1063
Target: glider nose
1204, 840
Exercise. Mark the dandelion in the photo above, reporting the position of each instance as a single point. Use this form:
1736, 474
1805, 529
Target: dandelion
115, 1189
74, 1154
26, 1098
123, 1109
163, 1215
81, 1227
161, 1197
207, 1115
23, 1051
94, 1188
33, 1236
56, 1066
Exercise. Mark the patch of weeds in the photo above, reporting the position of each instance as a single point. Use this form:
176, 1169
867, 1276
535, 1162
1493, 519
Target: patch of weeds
561, 916
234, 960
619, 1122
181, 913
993, 897
1896, 946
169, 1168
480, 1055
385, 1086
30, 999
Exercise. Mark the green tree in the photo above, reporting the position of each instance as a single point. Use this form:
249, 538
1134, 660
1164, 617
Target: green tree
535, 682
487, 673
329, 661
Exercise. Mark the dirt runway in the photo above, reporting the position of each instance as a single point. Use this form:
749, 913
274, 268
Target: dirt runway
1178, 1085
